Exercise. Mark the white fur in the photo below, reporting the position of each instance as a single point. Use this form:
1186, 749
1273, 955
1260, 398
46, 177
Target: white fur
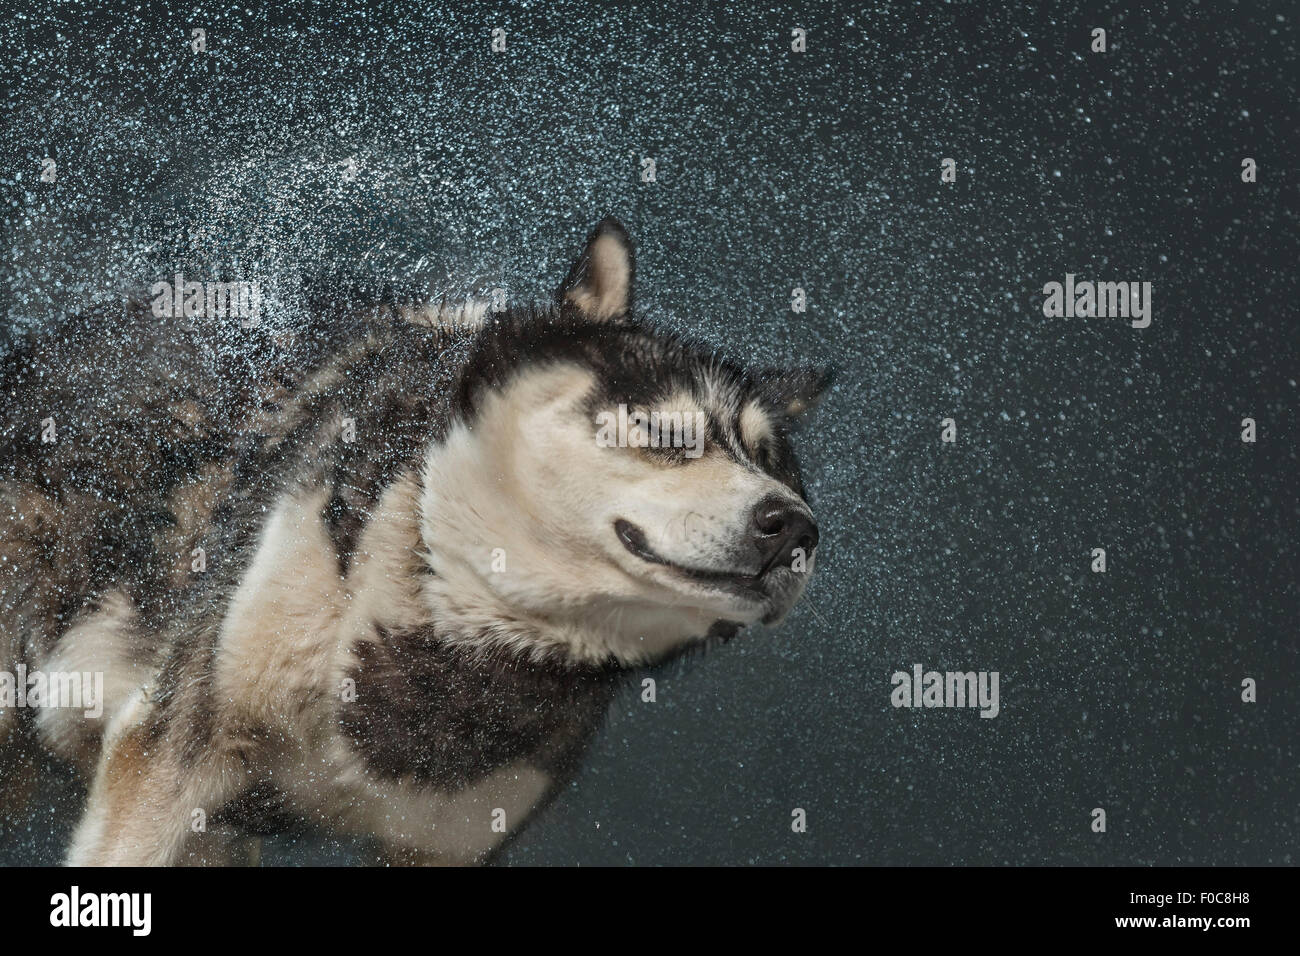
531, 480
99, 643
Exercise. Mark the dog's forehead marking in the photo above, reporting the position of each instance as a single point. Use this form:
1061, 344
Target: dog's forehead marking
755, 425
739, 421
679, 401
721, 399
539, 385
736, 424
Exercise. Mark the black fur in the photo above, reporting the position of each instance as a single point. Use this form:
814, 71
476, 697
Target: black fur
447, 716
156, 414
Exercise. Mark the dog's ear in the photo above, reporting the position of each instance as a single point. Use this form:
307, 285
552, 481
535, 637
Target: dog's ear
795, 391
600, 282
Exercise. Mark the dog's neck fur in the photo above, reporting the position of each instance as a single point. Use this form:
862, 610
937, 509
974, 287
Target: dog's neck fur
420, 699
409, 575
541, 602
434, 659
468, 610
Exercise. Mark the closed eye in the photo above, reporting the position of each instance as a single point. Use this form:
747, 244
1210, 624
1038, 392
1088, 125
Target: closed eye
668, 454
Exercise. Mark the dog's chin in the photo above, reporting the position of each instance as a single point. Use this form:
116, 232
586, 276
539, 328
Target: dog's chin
785, 589
769, 610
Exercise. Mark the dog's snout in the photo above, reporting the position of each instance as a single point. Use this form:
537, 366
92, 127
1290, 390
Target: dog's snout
779, 527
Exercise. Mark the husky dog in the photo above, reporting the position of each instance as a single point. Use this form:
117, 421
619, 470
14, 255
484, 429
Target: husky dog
383, 577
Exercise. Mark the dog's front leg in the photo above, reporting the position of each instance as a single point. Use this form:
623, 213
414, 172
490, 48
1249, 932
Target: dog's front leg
146, 800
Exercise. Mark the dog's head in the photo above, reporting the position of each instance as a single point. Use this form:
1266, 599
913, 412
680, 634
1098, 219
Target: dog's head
612, 484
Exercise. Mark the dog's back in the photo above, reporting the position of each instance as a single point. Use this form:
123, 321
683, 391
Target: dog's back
130, 443
115, 443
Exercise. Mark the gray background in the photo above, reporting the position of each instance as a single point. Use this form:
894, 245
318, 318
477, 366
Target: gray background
819, 170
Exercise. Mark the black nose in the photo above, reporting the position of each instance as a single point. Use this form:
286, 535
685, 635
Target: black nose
781, 525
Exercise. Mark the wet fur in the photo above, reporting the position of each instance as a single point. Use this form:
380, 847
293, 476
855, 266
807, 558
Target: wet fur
228, 689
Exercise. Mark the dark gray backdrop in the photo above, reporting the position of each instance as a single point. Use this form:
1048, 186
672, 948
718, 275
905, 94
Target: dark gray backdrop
819, 170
